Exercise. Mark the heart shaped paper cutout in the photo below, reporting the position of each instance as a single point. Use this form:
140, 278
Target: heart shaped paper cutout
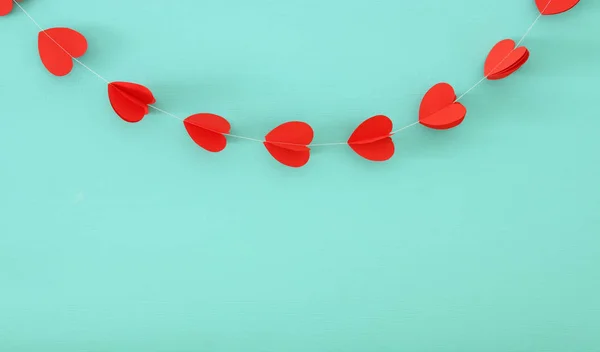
554, 7
130, 100
6, 6
511, 69
58, 47
504, 59
372, 139
288, 143
208, 130
439, 109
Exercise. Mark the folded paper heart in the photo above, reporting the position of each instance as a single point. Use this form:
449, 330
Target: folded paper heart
372, 139
130, 100
58, 47
439, 109
504, 59
288, 143
6, 6
554, 7
208, 130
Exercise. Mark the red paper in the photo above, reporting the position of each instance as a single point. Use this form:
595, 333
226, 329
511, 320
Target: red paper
130, 100
504, 59
372, 139
6, 7
57, 46
439, 110
208, 130
555, 7
288, 143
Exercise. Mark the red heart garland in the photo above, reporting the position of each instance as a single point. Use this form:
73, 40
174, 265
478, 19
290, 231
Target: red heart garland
6, 7
288, 143
554, 7
57, 46
208, 130
504, 59
372, 139
130, 100
439, 109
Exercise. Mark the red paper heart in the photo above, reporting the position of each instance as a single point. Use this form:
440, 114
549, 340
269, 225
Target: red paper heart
439, 110
504, 59
288, 143
6, 6
58, 46
510, 70
554, 7
208, 130
130, 100
372, 139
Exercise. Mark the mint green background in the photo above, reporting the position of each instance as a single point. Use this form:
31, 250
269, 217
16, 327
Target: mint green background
118, 237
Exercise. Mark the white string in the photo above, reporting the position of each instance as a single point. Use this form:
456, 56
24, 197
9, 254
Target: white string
166, 112
405, 127
472, 87
261, 140
533, 24
252, 139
